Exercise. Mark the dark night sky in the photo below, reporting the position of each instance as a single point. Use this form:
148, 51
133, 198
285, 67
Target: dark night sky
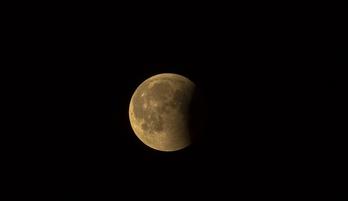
269, 95
263, 121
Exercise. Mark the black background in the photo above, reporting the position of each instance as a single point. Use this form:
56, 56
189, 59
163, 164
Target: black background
270, 94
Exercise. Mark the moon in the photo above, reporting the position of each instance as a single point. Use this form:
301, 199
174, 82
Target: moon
159, 111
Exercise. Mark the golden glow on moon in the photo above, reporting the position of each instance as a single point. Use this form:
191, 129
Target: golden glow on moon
159, 111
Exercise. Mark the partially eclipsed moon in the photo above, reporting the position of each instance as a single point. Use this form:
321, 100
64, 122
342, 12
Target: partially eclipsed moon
159, 111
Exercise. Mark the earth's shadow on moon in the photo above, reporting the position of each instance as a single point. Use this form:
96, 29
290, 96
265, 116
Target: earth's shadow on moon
197, 120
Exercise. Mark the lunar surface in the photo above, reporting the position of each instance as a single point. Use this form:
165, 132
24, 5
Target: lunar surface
159, 111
